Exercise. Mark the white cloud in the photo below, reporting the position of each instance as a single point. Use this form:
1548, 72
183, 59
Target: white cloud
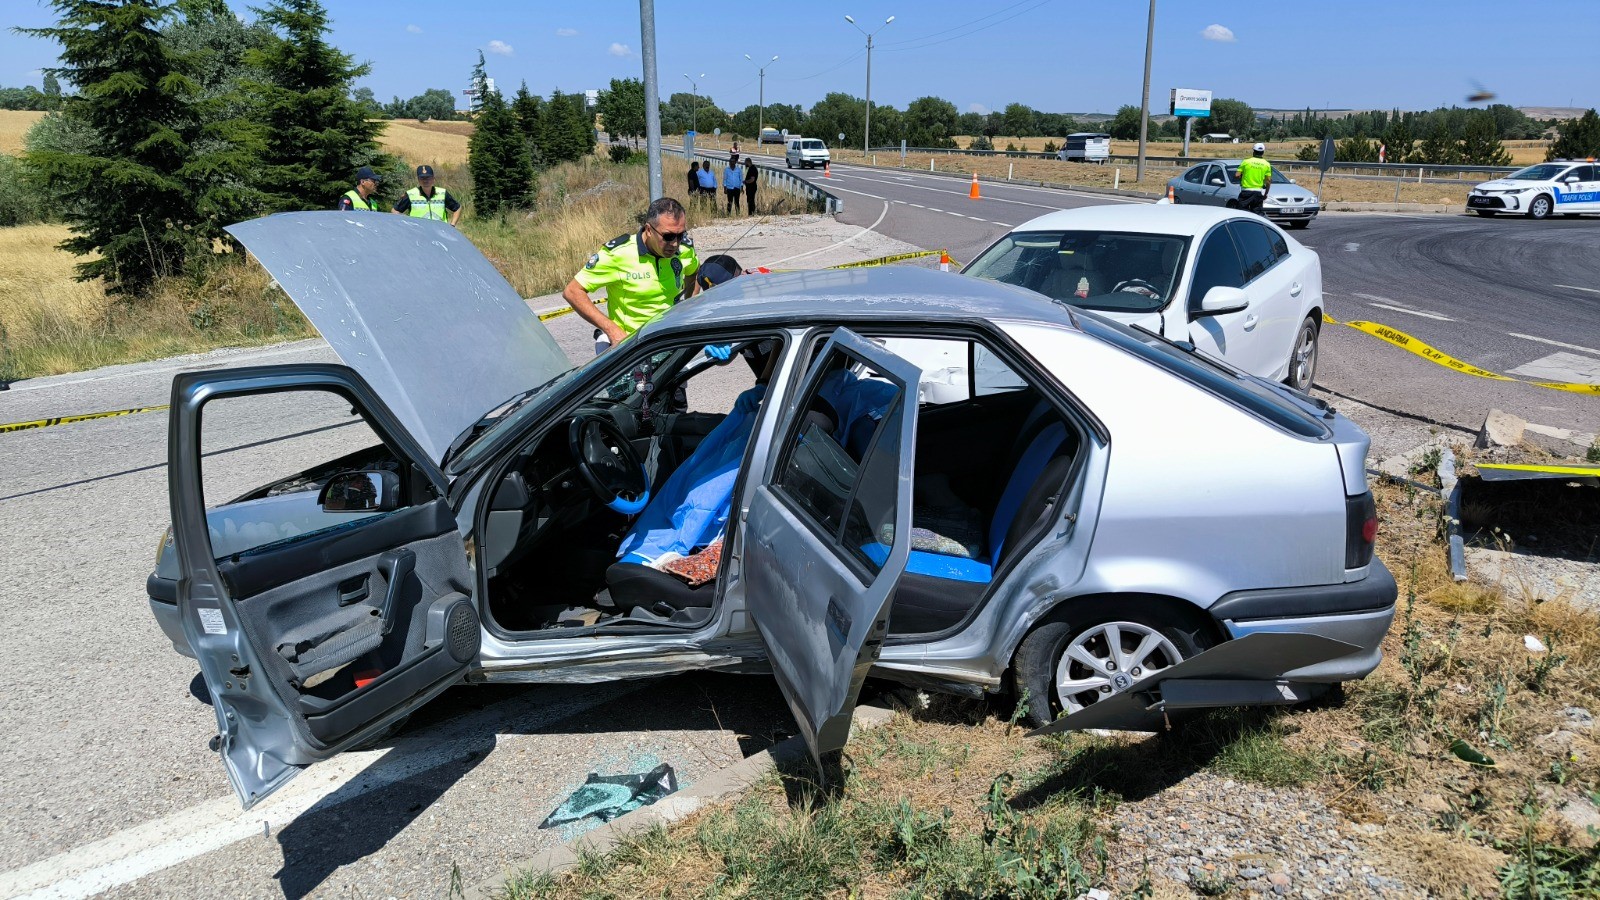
414, 29
566, 32
1219, 33
619, 50
500, 48
978, 108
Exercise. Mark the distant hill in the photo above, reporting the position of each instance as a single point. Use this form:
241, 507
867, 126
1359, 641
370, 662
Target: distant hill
1552, 112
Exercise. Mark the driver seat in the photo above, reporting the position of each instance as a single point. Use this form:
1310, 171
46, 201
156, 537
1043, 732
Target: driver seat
1062, 280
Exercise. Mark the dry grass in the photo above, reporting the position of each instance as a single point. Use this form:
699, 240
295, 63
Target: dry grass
50, 323
433, 143
14, 125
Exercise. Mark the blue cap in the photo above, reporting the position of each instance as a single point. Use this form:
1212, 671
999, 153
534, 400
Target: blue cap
424, 171
365, 172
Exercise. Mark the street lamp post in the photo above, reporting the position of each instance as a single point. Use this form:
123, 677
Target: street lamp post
761, 116
1144, 104
866, 129
694, 107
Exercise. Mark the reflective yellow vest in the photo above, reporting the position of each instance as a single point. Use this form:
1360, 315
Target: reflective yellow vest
358, 202
424, 208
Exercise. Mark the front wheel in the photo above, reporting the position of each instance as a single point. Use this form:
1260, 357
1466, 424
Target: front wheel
1303, 357
1540, 208
1062, 668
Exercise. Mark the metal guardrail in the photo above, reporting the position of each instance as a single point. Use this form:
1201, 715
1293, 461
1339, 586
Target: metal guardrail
1391, 170
827, 202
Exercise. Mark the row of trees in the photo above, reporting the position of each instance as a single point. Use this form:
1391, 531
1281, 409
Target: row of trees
1443, 137
185, 119
512, 141
46, 97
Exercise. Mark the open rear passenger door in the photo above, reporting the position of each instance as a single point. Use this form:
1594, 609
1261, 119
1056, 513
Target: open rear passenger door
829, 531
344, 613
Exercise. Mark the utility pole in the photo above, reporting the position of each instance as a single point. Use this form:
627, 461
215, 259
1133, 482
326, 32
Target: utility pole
761, 116
652, 95
1144, 104
866, 129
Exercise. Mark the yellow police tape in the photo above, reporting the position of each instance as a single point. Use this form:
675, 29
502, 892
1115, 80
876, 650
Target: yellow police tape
67, 420
1553, 470
1407, 342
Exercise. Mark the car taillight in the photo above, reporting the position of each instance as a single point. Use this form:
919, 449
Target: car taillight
1361, 530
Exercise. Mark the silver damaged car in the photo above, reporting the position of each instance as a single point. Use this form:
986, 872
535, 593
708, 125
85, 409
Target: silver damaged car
1042, 501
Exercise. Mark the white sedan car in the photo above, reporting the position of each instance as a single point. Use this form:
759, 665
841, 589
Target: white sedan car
1563, 187
1230, 283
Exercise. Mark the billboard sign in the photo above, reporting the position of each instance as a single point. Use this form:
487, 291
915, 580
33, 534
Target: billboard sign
1190, 102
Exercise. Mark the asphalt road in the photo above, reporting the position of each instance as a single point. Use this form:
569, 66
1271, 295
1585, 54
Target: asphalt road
1509, 295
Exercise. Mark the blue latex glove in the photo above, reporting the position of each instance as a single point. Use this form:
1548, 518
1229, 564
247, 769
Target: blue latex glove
719, 352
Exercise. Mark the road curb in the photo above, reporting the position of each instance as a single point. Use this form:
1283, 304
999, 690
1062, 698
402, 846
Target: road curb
724, 783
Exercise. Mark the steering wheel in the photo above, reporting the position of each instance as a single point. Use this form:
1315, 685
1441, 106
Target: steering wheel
609, 464
1137, 286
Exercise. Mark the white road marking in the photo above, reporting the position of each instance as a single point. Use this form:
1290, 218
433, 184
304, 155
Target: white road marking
1412, 312
1565, 367
876, 222
209, 361
1351, 247
917, 205
931, 209
159, 844
1577, 347
1573, 287
1018, 187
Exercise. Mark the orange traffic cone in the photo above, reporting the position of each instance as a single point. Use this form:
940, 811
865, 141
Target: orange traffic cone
1172, 196
973, 194
825, 172
944, 260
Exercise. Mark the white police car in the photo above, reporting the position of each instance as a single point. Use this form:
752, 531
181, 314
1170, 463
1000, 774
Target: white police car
1562, 187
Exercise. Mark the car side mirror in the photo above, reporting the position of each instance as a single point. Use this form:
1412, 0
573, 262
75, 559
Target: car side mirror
1570, 179
1221, 300
1217, 182
360, 492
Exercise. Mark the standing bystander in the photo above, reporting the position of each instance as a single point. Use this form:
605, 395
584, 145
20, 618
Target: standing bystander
733, 186
751, 176
425, 201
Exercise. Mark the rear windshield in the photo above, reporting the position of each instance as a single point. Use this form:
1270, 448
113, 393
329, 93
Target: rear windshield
1236, 387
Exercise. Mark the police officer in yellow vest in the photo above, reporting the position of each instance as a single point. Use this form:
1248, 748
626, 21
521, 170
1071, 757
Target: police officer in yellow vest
644, 273
363, 195
1255, 174
428, 202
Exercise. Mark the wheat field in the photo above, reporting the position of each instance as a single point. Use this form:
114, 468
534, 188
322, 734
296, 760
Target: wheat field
14, 125
433, 143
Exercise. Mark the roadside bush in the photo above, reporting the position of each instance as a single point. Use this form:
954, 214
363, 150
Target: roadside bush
21, 199
619, 153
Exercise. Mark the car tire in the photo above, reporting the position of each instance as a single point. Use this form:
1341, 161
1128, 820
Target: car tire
787, 164
1300, 224
1038, 661
1303, 356
1540, 207
1486, 213
1232, 204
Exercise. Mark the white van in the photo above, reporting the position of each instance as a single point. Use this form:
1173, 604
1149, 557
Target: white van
1086, 146
805, 152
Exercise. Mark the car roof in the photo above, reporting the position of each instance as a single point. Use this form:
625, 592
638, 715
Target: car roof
1146, 218
866, 294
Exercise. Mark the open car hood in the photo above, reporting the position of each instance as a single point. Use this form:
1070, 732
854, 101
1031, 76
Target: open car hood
413, 307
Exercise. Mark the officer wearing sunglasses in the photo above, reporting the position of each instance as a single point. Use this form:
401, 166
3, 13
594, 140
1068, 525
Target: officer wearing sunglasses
643, 273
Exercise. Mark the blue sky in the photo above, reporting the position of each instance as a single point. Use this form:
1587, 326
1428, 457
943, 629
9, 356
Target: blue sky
1054, 55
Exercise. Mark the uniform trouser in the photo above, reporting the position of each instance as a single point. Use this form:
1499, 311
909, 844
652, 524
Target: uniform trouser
749, 199
1250, 201
733, 198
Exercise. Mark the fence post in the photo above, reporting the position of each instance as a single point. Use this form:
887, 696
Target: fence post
1116, 179
1009, 167
1397, 183
930, 164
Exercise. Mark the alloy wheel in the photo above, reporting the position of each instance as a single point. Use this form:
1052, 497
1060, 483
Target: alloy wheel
1540, 207
1111, 657
1303, 365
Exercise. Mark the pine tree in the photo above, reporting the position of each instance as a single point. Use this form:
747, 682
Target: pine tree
529, 110
479, 79
502, 175
1439, 147
129, 199
565, 135
1580, 138
1480, 143
316, 135
1397, 138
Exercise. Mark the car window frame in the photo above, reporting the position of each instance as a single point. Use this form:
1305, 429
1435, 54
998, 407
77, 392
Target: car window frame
1199, 173
1231, 224
1206, 179
1192, 302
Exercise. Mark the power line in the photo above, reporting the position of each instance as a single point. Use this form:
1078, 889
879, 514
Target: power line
842, 63
957, 37
913, 40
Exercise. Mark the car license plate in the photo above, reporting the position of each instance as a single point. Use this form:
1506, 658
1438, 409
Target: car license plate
1292, 210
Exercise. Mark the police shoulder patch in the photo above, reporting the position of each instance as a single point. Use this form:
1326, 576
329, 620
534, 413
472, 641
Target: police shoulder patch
593, 259
618, 241
688, 240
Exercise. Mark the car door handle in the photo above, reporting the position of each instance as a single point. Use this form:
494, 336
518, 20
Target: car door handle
1294, 289
354, 590
396, 566
1250, 322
